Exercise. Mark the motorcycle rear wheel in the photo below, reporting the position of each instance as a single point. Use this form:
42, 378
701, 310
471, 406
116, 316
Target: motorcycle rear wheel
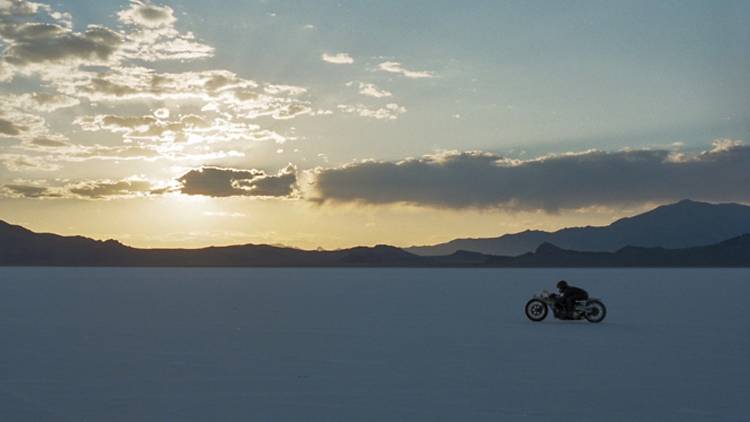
595, 311
536, 310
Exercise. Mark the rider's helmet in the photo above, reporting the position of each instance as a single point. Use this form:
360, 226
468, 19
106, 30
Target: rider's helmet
562, 285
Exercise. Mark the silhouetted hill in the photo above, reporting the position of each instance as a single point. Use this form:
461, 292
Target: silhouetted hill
680, 225
22, 247
734, 252
19, 246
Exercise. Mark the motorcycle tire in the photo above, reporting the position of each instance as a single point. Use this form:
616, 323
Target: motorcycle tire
536, 310
596, 311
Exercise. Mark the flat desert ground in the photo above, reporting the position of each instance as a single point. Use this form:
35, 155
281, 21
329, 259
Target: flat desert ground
134, 344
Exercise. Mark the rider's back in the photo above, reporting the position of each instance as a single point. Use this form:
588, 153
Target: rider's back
575, 293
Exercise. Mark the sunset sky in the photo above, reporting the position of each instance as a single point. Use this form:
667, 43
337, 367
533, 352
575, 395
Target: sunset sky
340, 123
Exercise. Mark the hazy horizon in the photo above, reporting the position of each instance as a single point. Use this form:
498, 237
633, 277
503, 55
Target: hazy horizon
410, 246
334, 124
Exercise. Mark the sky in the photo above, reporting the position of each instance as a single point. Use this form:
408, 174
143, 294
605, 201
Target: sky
339, 123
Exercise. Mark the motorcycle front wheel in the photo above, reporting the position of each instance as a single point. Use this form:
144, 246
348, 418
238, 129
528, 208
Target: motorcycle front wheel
536, 310
595, 311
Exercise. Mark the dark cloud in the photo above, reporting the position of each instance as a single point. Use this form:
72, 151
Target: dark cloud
472, 179
41, 43
102, 88
26, 191
208, 181
223, 182
38, 39
42, 101
9, 128
48, 142
109, 189
90, 189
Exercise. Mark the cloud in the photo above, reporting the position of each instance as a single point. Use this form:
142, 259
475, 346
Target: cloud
35, 45
104, 65
18, 9
132, 187
48, 142
284, 89
395, 67
388, 112
566, 181
47, 153
23, 162
38, 39
371, 90
28, 191
9, 128
103, 189
147, 15
36, 102
153, 35
224, 182
6, 73
221, 91
338, 58
207, 181
164, 135
47, 102
115, 123
141, 83
16, 123
162, 113
79, 153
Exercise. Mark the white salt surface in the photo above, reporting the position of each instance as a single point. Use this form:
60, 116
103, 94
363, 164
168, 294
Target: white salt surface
369, 345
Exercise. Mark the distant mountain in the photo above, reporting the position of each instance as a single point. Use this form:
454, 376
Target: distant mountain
680, 225
734, 252
22, 247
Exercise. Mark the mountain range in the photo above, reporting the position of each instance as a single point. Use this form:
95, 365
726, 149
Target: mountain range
22, 247
683, 224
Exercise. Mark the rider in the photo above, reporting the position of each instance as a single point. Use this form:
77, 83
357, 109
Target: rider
569, 295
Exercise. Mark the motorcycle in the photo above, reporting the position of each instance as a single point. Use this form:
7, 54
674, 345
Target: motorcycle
593, 310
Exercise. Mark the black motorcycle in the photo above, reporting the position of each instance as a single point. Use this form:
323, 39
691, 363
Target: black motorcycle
593, 310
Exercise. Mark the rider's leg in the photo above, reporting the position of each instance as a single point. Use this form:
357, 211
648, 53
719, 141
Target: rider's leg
560, 306
569, 306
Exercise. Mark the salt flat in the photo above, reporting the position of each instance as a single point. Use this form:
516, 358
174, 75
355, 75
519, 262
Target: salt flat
98, 344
